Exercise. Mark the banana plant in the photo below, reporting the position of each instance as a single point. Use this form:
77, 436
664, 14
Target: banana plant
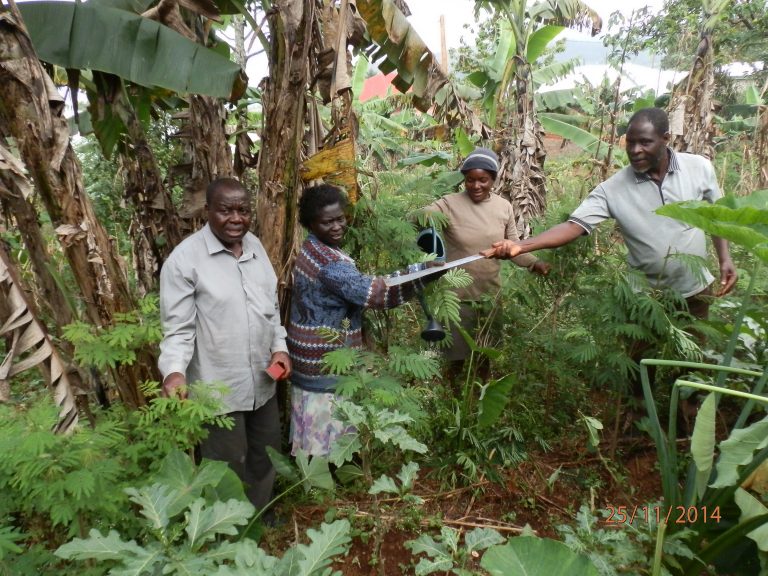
527, 30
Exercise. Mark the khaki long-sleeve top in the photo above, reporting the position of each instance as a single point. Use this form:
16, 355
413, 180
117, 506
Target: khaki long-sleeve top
474, 227
220, 318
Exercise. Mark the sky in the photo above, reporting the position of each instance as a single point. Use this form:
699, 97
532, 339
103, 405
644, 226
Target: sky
425, 17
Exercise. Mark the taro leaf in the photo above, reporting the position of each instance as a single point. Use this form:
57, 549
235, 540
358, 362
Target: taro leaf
230, 487
482, 538
344, 449
283, 465
315, 472
738, 450
331, 540
703, 443
383, 483
526, 556
751, 507
491, 353
154, 501
87, 35
493, 399
100, 548
206, 522
742, 220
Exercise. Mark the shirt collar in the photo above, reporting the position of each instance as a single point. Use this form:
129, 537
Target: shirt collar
674, 166
214, 245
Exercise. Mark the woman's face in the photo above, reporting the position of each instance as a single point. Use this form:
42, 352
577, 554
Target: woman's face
478, 184
330, 224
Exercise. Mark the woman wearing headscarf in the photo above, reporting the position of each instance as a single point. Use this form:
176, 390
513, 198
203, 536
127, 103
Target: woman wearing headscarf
475, 217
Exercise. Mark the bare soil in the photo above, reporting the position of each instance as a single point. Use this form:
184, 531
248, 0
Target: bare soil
530, 495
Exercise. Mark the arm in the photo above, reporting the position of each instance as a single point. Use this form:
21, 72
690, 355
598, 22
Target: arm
728, 274
177, 316
555, 237
279, 346
344, 279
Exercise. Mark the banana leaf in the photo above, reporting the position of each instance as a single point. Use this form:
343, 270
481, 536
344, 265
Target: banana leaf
97, 37
582, 138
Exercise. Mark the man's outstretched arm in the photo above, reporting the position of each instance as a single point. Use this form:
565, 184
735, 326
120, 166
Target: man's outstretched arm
555, 237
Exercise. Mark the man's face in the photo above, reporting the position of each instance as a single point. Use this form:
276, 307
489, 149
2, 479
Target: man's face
229, 215
645, 147
330, 224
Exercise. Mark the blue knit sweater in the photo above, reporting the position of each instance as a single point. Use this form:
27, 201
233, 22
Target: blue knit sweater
327, 289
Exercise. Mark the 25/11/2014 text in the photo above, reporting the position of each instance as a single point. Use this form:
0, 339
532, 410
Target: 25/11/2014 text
618, 515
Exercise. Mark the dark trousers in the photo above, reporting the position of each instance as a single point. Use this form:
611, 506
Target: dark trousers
244, 449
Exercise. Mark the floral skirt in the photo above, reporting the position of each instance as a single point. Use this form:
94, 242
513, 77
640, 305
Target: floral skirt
313, 427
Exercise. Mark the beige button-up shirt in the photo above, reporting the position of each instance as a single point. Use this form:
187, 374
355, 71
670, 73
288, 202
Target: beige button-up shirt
220, 318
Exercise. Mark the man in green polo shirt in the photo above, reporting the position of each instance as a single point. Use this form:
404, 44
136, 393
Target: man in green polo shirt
656, 176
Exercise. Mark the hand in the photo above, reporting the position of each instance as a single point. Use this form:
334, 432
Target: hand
284, 360
175, 384
728, 277
541, 268
502, 249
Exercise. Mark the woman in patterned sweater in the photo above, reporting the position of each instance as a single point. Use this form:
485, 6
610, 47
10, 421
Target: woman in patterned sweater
329, 296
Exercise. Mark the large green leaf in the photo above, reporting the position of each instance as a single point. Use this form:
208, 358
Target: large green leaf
96, 37
204, 522
529, 556
703, 442
179, 472
540, 39
482, 538
581, 138
751, 507
314, 472
493, 399
738, 450
742, 220
154, 501
100, 548
331, 540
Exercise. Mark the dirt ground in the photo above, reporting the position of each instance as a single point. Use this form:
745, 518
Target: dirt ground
528, 496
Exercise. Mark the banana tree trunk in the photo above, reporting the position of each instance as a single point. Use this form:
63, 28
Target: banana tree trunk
155, 227
692, 108
207, 155
19, 209
30, 346
42, 136
284, 104
521, 171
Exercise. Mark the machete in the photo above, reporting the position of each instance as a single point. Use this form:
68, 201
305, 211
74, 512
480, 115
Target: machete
401, 279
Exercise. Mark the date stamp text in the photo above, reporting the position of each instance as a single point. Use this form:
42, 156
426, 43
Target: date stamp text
618, 515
